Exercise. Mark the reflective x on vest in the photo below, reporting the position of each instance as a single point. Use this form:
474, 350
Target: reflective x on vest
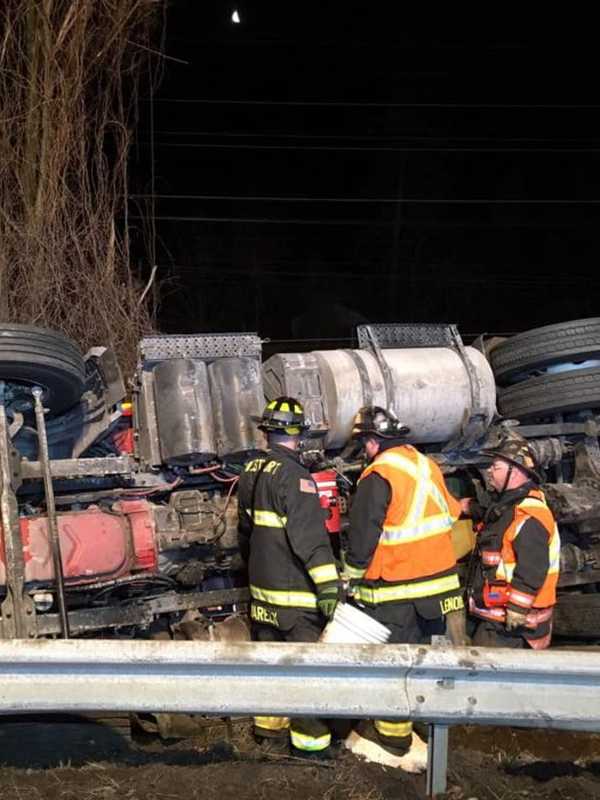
416, 525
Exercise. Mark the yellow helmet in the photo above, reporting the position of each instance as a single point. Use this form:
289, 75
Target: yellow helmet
283, 415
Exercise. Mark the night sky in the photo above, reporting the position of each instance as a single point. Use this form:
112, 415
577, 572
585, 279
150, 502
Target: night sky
315, 170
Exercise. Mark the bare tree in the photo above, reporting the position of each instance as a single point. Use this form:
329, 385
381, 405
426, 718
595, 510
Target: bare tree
69, 77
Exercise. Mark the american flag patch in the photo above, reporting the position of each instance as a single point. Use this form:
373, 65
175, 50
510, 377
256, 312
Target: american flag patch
307, 486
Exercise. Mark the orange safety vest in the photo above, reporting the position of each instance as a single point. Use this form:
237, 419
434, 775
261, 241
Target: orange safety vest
505, 560
416, 540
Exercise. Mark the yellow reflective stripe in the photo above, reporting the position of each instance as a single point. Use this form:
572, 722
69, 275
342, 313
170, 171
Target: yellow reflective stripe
505, 571
303, 742
431, 526
438, 498
519, 526
396, 460
324, 573
416, 525
554, 552
272, 405
397, 729
353, 572
418, 502
284, 407
427, 490
407, 591
297, 409
284, 598
532, 502
268, 519
272, 723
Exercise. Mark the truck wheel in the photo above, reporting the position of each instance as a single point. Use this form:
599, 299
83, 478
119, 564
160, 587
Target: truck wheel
578, 340
552, 394
577, 616
32, 356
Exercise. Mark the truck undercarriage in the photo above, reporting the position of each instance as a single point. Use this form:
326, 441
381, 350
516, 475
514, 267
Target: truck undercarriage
119, 523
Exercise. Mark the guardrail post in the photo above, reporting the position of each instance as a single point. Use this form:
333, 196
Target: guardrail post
437, 759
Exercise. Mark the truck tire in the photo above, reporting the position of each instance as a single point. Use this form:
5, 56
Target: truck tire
565, 342
32, 356
551, 394
577, 616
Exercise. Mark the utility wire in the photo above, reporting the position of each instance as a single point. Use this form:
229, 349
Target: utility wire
387, 137
217, 273
371, 104
261, 220
391, 200
371, 222
371, 148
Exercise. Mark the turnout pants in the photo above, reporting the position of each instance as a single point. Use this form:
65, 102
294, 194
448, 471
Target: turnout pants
306, 733
408, 626
493, 634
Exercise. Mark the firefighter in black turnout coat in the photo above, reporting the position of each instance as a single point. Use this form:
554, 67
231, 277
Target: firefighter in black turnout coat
293, 578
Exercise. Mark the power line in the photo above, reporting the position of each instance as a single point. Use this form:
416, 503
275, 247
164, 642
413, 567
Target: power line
386, 137
217, 272
369, 148
378, 200
373, 104
271, 220
426, 225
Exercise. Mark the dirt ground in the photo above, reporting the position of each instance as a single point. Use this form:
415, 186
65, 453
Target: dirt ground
75, 760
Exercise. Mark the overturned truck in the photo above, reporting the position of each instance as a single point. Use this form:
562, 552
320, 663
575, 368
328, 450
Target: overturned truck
118, 506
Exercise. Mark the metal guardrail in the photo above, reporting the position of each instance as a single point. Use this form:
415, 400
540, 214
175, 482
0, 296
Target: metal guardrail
443, 686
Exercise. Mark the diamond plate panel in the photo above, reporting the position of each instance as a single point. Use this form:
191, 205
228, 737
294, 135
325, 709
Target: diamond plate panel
203, 346
402, 335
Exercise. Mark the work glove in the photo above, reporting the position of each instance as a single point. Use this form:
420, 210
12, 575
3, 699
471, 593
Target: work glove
328, 596
515, 619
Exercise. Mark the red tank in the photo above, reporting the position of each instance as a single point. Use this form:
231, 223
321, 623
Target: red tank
329, 497
95, 545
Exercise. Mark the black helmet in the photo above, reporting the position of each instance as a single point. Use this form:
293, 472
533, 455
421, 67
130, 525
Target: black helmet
513, 448
376, 421
283, 415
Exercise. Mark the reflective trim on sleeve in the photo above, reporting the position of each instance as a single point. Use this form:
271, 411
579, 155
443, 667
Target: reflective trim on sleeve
535, 616
491, 558
267, 519
324, 573
290, 599
353, 572
406, 591
396, 729
310, 743
520, 598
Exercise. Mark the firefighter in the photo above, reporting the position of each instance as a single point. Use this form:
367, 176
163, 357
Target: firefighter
294, 582
512, 590
399, 557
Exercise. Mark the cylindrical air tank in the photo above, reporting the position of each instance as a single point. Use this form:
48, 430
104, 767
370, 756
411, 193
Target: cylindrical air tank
429, 388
